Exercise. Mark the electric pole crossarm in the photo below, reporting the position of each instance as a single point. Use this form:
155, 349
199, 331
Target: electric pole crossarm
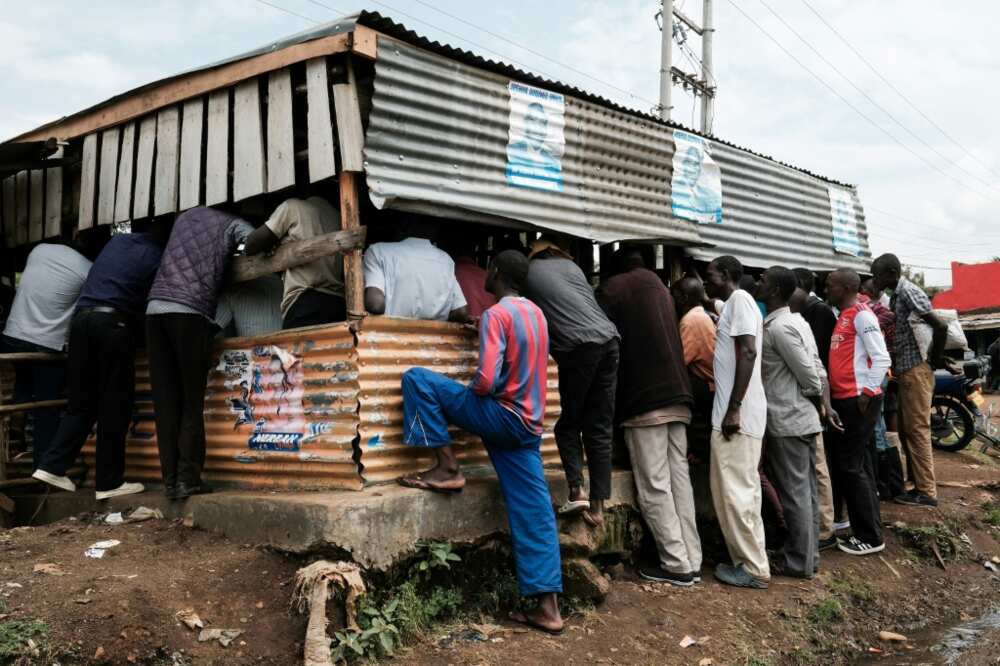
688, 21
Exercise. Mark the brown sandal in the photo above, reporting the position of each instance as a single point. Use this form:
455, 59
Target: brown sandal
422, 484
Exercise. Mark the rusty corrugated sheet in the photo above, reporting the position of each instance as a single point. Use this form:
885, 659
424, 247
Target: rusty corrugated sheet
319, 399
386, 348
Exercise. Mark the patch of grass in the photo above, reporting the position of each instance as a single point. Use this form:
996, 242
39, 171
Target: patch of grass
756, 661
850, 587
992, 511
418, 611
922, 540
826, 612
22, 638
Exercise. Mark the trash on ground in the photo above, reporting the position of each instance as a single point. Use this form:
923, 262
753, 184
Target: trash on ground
144, 513
688, 641
707, 661
48, 568
224, 636
989, 565
189, 618
83, 600
114, 518
312, 589
98, 549
891, 636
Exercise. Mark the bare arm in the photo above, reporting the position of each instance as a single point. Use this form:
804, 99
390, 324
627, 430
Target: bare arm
261, 240
746, 356
374, 300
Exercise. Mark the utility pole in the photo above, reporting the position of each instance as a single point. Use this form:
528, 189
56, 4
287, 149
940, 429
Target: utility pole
708, 99
666, 58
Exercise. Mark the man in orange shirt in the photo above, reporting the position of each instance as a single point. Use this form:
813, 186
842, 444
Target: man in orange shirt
698, 340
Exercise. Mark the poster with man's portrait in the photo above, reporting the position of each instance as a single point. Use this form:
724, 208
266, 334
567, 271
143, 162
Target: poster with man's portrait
696, 186
535, 141
845, 222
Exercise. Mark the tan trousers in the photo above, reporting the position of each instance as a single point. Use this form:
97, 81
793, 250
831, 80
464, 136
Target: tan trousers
663, 486
824, 488
736, 495
916, 389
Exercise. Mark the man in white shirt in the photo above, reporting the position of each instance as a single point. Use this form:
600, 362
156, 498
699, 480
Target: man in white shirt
39, 322
739, 415
412, 278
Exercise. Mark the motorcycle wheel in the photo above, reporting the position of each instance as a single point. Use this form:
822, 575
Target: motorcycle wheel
953, 426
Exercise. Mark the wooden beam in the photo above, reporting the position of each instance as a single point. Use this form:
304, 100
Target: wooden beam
350, 133
249, 168
108, 176
168, 141
184, 87
88, 182
297, 253
36, 211
126, 167
280, 137
9, 211
32, 357
350, 220
319, 127
53, 200
190, 176
27, 406
217, 157
144, 168
365, 42
23, 201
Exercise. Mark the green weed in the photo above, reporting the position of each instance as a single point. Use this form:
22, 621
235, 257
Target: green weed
851, 588
826, 612
992, 510
923, 540
20, 638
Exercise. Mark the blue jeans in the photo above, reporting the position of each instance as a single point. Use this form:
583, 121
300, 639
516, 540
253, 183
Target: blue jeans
430, 402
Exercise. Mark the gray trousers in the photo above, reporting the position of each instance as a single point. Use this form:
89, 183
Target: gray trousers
663, 485
791, 464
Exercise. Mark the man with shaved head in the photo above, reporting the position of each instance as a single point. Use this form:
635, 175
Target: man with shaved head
858, 364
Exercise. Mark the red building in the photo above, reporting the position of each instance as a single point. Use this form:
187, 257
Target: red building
973, 287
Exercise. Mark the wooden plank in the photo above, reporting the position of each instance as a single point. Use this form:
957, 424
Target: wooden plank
88, 182
126, 167
34, 357
350, 219
297, 253
191, 130
144, 168
36, 211
365, 42
184, 87
249, 177
350, 133
319, 127
9, 211
108, 176
22, 191
280, 139
54, 197
217, 157
27, 406
168, 138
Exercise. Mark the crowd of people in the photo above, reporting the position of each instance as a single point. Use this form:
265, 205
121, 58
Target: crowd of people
791, 397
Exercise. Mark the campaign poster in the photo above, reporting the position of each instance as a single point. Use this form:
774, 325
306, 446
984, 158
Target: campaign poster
696, 186
536, 138
268, 407
845, 222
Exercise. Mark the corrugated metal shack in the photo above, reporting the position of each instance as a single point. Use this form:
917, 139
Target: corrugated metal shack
364, 106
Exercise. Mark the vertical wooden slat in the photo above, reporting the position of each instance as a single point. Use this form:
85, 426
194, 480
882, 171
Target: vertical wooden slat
248, 142
349, 130
350, 218
168, 139
126, 162
108, 175
21, 218
9, 211
54, 198
191, 128
144, 168
88, 182
36, 211
217, 149
318, 124
280, 139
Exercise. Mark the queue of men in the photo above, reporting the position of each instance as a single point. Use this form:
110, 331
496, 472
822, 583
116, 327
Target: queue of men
728, 368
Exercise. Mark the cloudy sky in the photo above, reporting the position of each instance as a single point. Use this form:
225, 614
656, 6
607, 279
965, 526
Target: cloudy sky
929, 195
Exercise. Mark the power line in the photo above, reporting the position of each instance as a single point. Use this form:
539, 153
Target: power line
288, 11
849, 104
871, 99
897, 90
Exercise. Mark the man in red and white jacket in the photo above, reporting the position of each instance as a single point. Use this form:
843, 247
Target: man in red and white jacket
858, 364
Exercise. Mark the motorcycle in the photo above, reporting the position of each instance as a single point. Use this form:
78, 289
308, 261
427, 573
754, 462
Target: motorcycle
957, 409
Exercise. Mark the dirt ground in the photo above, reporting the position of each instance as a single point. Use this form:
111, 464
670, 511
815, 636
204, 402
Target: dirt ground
121, 608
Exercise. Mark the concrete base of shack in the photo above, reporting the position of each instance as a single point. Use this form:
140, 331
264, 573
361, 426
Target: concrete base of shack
375, 527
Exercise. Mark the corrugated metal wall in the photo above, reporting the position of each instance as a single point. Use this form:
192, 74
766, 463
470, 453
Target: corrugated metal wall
773, 214
437, 141
388, 347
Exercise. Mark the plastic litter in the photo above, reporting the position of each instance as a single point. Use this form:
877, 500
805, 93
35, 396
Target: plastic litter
114, 518
98, 549
224, 636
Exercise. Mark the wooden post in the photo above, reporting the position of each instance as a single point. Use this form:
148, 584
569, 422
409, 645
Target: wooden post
350, 218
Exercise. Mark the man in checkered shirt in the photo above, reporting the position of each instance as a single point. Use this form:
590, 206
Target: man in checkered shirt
914, 370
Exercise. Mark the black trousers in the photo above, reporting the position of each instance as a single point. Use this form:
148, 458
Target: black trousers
36, 381
851, 467
588, 377
313, 307
101, 372
180, 353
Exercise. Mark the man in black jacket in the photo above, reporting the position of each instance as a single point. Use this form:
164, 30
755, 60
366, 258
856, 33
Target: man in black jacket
653, 404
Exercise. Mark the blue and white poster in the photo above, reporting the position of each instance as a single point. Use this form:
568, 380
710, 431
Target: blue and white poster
535, 139
845, 222
696, 186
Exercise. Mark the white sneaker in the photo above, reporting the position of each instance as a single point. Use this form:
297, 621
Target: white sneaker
61, 482
124, 489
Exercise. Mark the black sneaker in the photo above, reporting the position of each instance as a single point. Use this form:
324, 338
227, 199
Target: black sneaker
827, 544
661, 575
855, 547
183, 490
913, 498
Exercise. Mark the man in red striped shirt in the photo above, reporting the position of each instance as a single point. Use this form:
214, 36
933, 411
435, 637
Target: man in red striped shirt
505, 405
